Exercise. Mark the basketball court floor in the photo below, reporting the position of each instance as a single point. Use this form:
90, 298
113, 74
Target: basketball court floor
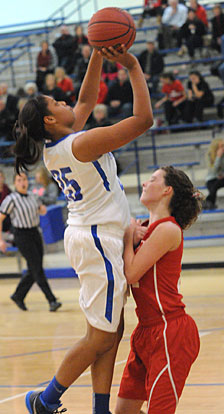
33, 343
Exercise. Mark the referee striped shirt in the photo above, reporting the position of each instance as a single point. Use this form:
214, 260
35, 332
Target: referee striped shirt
22, 209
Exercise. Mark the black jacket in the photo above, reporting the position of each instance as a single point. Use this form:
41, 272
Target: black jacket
120, 92
157, 62
217, 26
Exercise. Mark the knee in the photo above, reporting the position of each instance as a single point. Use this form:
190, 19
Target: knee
101, 341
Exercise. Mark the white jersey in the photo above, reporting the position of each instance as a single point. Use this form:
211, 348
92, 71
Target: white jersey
94, 192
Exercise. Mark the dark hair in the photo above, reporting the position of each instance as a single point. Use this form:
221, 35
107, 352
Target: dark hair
195, 72
186, 202
168, 75
29, 133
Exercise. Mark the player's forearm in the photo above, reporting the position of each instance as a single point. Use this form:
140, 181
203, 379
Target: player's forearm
90, 85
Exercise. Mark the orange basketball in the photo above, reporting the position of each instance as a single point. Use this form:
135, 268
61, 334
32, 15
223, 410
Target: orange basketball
111, 26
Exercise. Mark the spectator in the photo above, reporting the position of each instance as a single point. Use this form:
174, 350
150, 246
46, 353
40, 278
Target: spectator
100, 117
103, 90
174, 98
64, 82
152, 65
199, 96
30, 89
54, 91
215, 176
120, 96
45, 65
110, 71
192, 32
79, 40
45, 188
151, 8
8, 112
64, 49
200, 11
217, 27
4, 191
81, 67
174, 16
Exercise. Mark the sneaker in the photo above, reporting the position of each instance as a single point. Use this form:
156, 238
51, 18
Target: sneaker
35, 406
19, 303
54, 306
181, 52
208, 205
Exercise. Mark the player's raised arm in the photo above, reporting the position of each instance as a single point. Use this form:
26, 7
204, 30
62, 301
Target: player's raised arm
92, 144
89, 91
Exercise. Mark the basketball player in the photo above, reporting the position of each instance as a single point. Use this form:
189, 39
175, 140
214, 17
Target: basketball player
165, 342
85, 169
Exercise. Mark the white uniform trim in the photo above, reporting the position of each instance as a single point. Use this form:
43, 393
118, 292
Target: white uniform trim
165, 344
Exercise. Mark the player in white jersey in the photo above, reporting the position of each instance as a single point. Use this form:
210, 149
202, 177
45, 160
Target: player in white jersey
85, 169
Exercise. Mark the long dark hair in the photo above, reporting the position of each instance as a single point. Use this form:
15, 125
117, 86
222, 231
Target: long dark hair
29, 133
186, 202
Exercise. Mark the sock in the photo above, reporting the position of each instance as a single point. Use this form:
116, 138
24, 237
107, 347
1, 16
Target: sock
53, 393
101, 403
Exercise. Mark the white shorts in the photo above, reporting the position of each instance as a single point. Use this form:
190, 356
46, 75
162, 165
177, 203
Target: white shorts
95, 253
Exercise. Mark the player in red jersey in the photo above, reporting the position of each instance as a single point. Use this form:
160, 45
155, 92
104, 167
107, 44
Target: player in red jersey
165, 342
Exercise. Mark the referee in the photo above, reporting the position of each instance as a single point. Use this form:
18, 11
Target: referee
24, 210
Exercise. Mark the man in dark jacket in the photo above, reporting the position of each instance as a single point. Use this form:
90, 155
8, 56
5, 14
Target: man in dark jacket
64, 47
120, 96
152, 64
192, 32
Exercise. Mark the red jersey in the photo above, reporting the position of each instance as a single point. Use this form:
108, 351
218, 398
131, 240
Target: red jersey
174, 90
156, 293
201, 14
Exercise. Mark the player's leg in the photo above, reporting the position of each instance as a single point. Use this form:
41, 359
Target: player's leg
78, 358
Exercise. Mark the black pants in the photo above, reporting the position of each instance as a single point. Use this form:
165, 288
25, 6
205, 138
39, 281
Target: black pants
174, 113
30, 245
195, 109
213, 186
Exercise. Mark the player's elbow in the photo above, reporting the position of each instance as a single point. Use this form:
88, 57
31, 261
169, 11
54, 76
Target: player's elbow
146, 122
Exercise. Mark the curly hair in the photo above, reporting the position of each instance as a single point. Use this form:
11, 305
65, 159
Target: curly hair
186, 202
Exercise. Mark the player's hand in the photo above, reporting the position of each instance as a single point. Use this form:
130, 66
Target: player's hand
119, 55
139, 231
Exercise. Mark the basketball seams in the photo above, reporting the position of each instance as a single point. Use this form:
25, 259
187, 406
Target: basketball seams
110, 21
111, 38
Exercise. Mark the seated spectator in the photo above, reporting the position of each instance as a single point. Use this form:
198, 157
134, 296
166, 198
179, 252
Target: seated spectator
102, 94
44, 187
54, 91
109, 71
120, 96
151, 8
4, 191
64, 82
8, 113
199, 96
79, 40
200, 11
81, 67
215, 176
64, 49
44, 65
174, 99
100, 117
174, 16
192, 33
30, 89
152, 64
217, 23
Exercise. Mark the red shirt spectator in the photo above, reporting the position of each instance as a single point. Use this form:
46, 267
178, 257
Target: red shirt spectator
65, 83
200, 12
103, 89
174, 90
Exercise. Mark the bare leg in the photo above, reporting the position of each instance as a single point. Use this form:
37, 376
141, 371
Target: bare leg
84, 353
125, 406
102, 369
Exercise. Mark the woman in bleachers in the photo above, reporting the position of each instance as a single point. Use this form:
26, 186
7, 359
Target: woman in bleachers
199, 96
45, 64
64, 82
174, 99
215, 176
192, 33
217, 27
45, 187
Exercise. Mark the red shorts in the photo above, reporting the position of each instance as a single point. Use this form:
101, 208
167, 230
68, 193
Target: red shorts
159, 363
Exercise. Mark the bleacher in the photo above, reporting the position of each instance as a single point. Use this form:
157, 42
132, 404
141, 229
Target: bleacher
183, 145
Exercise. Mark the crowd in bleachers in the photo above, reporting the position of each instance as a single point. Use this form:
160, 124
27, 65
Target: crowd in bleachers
61, 66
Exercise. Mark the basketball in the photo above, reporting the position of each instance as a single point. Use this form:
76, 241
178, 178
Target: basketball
111, 26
